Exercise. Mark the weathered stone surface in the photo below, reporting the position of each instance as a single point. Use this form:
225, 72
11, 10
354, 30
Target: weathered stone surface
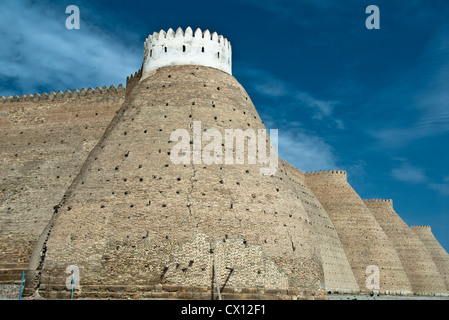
43, 146
421, 270
153, 221
88, 180
438, 254
338, 274
363, 239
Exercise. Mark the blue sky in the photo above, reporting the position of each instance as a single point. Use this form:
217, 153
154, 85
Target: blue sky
372, 102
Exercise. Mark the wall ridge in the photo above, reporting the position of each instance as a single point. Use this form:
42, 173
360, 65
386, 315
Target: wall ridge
322, 172
378, 200
59, 95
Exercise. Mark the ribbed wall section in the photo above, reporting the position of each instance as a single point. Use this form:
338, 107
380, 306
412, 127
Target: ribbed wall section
421, 271
363, 239
437, 252
338, 274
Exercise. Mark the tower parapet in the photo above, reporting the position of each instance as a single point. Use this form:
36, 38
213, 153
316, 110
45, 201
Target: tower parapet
315, 173
187, 48
423, 226
381, 201
325, 174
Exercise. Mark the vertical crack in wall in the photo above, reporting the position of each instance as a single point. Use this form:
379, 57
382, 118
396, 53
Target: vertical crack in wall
33, 281
232, 207
192, 181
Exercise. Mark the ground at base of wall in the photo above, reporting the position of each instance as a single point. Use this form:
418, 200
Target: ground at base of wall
12, 292
381, 297
9, 292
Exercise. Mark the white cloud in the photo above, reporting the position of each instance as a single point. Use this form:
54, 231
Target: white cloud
38, 51
411, 174
427, 84
442, 188
284, 93
304, 151
408, 173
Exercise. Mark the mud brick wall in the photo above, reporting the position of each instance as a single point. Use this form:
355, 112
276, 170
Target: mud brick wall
363, 239
131, 209
416, 260
338, 274
437, 252
44, 142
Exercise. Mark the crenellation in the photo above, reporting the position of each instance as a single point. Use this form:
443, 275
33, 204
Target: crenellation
121, 88
314, 173
187, 48
59, 95
132, 80
389, 201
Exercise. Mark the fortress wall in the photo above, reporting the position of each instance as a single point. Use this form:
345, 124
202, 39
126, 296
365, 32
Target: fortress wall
338, 274
44, 141
133, 230
363, 239
418, 264
437, 252
132, 80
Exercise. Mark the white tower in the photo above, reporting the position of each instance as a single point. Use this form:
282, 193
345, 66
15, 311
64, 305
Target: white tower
187, 48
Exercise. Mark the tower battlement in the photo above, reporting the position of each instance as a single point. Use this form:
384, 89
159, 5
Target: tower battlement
385, 203
321, 172
423, 226
187, 48
63, 95
378, 200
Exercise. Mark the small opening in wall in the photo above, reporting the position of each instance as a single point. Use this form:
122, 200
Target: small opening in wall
183, 48
151, 53
218, 53
165, 48
202, 49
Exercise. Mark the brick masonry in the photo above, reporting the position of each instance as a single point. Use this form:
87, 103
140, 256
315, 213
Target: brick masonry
437, 252
87, 180
45, 141
133, 229
363, 239
416, 260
